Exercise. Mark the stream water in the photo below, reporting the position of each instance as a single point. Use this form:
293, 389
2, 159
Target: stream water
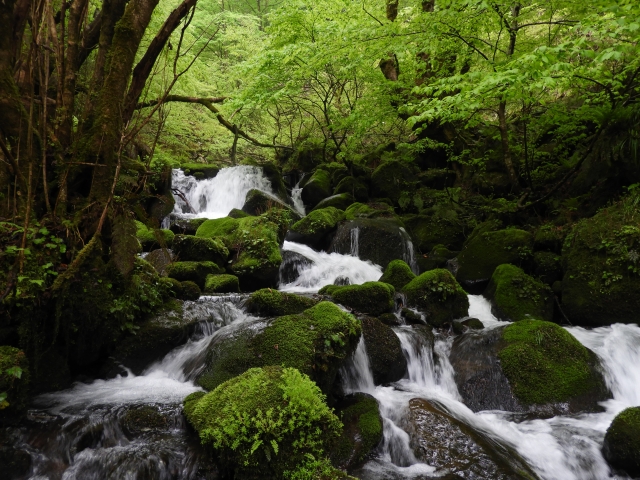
94, 431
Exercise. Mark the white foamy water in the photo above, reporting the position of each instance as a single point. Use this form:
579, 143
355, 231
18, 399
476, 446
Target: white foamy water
560, 448
325, 268
296, 198
216, 197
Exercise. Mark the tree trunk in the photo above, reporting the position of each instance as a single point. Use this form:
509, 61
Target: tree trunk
506, 151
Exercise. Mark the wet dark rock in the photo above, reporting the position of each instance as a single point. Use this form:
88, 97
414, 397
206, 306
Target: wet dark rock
143, 419
342, 281
160, 259
412, 317
388, 363
444, 442
14, 462
390, 319
292, 264
258, 202
185, 226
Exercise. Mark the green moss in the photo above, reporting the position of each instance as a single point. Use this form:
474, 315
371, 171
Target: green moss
374, 298
194, 271
236, 213
368, 210
319, 222
337, 171
189, 290
428, 232
546, 266
485, 251
257, 202
398, 274
544, 363
149, 238
315, 342
316, 188
273, 303
264, 422
172, 286
328, 289
222, 283
200, 170
340, 201
219, 227
517, 296
356, 187
192, 248
622, 441
14, 381
438, 295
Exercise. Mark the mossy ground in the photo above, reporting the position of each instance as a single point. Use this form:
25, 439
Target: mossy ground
268, 302
265, 421
319, 222
517, 296
374, 298
438, 294
544, 363
398, 274
622, 441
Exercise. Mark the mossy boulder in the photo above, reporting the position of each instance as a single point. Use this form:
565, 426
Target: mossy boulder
438, 295
361, 431
388, 363
546, 364
337, 171
316, 342
317, 188
273, 303
258, 202
485, 251
255, 242
14, 383
341, 201
264, 423
221, 283
621, 445
314, 229
398, 274
601, 261
150, 238
357, 187
438, 257
200, 171
189, 290
193, 271
369, 210
374, 298
237, 213
391, 179
429, 231
192, 248
517, 296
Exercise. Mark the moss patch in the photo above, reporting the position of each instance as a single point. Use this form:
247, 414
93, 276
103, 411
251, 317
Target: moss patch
317, 188
544, 363
193, 271
374, 298
622, 441
438, 295
189, 290
369, 210
192, 248
222, 283
398, 274
218, 227
517, 296
200, 170
319, 222
273, 303
150, 238
340, 201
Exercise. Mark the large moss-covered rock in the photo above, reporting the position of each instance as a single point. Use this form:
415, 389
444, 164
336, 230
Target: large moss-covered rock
316, 342
601, 260
256, 244
356, 187
273, 303
528, 366
14, 382
200, 171
374, 298
621, 445
429, 231
317, 188
264, 423
361, 431
150, 238
438, 295
258, 202
189, 290
388, 363
391, 179
517, 296
438, 257
398, 274
193, 271
485, 251
340, 201
379, 240
337, 171
192, 248
314, 228
222, 283
369, 210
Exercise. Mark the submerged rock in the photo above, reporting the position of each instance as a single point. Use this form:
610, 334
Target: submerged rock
388, 363
621, 445
374, 298
528, 366
398, 274
517, 296
438, 295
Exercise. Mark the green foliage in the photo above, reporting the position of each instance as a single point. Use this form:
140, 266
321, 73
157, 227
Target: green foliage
544, 363
266, 420
14, 379
398, 274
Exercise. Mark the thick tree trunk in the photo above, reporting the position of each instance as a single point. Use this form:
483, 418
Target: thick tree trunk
506, 150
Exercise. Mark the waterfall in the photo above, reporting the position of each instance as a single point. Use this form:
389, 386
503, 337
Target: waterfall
324, 268
296, 197
355, 239
216, 197
408, 254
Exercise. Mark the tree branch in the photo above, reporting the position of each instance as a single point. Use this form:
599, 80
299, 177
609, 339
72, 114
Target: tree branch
179, 98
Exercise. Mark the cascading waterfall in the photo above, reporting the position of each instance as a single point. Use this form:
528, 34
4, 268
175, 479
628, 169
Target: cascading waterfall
355, 242
408, 254
324, 268
296, 197
216, 197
